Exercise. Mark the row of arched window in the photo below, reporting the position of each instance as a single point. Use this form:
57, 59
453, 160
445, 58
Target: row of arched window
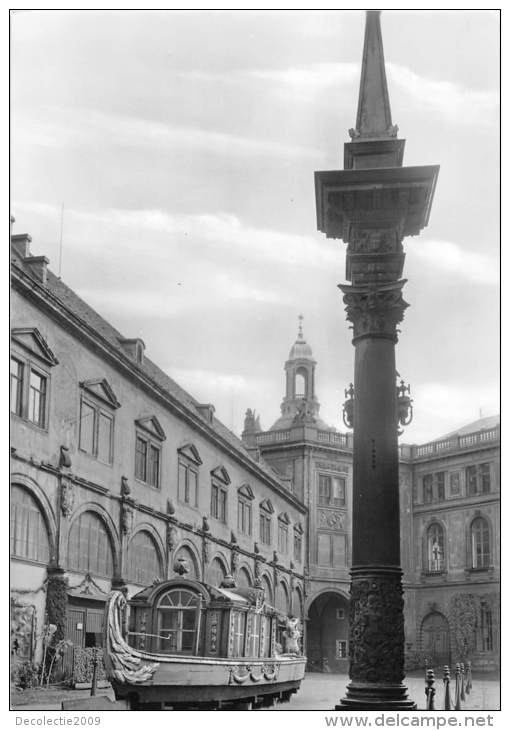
479, 552
90, 550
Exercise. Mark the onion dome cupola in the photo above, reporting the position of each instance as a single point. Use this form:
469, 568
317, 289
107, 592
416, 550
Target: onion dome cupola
300, 403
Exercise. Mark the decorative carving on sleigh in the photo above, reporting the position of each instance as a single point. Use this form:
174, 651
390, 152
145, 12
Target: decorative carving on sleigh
241, 674
120, 659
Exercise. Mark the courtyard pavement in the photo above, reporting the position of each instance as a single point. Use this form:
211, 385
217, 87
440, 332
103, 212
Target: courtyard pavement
317, 692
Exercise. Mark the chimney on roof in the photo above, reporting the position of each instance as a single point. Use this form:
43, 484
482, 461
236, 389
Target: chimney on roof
134, 347
20, 248
206, 410
20, 243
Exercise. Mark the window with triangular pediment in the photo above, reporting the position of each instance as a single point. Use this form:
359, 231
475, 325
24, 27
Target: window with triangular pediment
97, 406
31, 360
187, 484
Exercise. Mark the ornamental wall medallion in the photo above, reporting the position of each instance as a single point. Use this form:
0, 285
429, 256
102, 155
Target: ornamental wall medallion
331, 520
67, 496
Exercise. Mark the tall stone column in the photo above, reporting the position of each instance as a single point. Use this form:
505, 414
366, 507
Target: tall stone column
372, 205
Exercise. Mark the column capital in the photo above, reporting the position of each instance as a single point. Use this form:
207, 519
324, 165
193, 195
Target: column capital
375, 311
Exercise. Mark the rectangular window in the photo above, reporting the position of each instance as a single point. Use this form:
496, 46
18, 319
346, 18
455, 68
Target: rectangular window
244, 516
454, 483
485, 478
265, 528
440, 485
283, 538
428, 485
16, 386
153, 467
188, 483
37, 399
87, 420
141, 459
238, 626
338, 551
298, 542
104, 438
324, 549
478, 479
219, 503
471, 480
324, 490
147, 460
338, 492
341, 649
96, 432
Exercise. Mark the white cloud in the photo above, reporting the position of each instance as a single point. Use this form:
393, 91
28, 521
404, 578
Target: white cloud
455, 103
451, 257
56, 127
313, 77
440, 409
244, 242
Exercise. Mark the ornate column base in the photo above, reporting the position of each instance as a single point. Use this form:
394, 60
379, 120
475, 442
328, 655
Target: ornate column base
376, 641
376, 696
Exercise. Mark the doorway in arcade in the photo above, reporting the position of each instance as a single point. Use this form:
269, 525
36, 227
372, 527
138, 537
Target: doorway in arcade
327, 633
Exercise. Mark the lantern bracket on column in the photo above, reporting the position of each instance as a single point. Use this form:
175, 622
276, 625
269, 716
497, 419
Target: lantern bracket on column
405, 405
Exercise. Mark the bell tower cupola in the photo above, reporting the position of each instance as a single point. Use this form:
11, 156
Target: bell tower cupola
299, 403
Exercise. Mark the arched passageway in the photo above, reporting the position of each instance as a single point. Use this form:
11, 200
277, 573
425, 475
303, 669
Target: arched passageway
435, 638
327, 634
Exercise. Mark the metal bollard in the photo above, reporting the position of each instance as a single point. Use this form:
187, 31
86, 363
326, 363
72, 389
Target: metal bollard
446, 683
430, 690
458, 705
469, 679
462, 683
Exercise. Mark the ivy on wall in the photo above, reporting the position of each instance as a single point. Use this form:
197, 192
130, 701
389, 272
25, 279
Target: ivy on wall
56, 604
462, 616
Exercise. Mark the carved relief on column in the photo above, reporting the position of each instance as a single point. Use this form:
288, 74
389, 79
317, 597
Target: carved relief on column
376, 633
234, 561
206, 553
126, 518
258, 572
67, 496
375, 311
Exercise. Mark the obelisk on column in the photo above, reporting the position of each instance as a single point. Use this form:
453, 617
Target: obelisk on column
372, 204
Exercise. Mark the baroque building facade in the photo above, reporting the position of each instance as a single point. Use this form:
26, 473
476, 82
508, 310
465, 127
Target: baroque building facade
118, 475
449, 525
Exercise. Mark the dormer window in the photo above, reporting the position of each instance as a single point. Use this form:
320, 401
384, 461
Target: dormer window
148, 443
97, 406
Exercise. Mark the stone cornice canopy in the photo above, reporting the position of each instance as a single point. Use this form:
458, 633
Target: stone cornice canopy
100, 388
152, 426
31, 339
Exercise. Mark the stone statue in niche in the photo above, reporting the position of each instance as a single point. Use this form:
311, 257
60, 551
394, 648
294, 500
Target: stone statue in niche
126, 519
125, 489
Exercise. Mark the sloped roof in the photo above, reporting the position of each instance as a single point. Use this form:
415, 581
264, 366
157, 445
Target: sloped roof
479, 425
90, 317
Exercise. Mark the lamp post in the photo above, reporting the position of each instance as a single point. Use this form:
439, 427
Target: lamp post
372, 204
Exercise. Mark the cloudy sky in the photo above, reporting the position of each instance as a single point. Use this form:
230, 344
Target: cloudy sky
183, 146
